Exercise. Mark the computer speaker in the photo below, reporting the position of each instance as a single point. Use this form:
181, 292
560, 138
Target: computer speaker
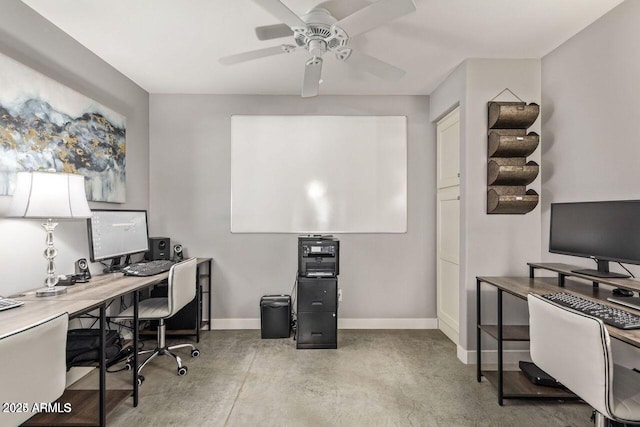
82, 269
178, 253
159, 248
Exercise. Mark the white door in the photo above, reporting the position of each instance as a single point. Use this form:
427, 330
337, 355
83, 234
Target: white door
448, 149
448, 224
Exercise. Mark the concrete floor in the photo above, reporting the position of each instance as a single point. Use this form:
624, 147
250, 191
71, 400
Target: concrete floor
407, 377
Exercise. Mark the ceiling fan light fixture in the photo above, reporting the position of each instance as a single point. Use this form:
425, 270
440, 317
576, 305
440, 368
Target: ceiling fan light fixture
317, 47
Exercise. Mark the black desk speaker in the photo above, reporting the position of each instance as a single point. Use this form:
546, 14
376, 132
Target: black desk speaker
178, 253
82, 268
159, 248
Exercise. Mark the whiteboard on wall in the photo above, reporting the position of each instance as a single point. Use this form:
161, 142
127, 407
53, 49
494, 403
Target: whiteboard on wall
318, 174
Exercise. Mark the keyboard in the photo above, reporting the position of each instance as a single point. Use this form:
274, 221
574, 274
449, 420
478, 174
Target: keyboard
150, 268
6, 303
610, 315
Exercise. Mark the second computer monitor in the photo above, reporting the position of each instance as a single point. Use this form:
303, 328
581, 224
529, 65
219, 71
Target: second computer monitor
115, 233
605, 231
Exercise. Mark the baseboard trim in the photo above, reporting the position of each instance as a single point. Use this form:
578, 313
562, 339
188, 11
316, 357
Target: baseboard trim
450, 332
420, 323
226, 324
462, 354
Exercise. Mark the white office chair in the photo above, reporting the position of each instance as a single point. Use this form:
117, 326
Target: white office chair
181, 291
33, 367
575, 349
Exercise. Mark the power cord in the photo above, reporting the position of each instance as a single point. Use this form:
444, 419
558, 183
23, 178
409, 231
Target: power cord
294, 315
626, 269
620, 264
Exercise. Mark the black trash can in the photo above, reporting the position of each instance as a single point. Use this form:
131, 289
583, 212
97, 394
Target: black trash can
275, 316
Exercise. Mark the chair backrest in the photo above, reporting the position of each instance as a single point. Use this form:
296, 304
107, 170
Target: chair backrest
182, 285
33, 366
575, 349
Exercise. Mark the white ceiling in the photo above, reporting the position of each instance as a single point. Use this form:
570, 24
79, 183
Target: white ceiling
173, 46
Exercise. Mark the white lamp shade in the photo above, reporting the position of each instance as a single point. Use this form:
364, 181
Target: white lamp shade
47, 195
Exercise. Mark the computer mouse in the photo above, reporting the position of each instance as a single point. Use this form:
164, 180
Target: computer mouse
622, 292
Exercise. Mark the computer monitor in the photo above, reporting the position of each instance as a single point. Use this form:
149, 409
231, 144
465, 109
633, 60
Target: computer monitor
604, 231
117, 233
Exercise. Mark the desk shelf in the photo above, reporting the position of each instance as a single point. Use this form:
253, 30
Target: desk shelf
84, 408
567, 270
517, 386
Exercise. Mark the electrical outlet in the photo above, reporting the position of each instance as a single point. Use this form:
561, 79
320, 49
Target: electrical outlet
339, 295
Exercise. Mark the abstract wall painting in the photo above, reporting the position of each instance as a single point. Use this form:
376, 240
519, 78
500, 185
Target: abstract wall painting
46, 125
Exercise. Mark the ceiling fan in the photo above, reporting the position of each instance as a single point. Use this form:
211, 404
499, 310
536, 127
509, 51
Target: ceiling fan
319, 32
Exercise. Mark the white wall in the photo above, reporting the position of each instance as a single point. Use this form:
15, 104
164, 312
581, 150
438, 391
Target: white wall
32, 40
491, 245
388, 276
590, 112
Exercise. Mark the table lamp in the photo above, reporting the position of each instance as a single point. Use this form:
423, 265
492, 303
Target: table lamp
49, 196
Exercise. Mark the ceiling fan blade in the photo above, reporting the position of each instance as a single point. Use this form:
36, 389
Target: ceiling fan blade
376, 14
282, 12
312, 72
374, 66
255, 54
269, 32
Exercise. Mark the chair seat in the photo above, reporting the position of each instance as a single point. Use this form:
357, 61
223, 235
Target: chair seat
148, 309
626, 394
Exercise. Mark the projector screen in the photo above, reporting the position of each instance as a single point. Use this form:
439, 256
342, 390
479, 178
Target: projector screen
318, 174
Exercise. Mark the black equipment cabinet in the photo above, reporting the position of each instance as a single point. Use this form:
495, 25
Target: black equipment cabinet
317, 310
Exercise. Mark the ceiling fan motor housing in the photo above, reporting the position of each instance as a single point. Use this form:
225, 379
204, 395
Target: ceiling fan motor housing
321, 35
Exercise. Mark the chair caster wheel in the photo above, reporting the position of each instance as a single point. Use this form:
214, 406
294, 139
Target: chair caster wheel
182, 371
128, 366
140, 379
195, 352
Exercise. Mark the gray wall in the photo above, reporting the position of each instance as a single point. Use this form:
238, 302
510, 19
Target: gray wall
590, 87
34, 41
491, 245
382, 275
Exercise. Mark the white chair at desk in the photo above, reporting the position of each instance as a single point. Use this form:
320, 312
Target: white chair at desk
181, 291
33, 368
575, 349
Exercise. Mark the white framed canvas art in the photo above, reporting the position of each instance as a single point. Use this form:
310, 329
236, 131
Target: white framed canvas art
46, 125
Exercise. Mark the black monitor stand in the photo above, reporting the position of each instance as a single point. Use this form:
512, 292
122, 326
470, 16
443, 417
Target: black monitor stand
115, 265
602, 271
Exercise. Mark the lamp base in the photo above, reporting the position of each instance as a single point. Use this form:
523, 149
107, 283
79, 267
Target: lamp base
48, 292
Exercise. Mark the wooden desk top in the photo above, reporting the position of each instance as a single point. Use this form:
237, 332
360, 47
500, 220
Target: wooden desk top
521, 286
78, 298
101, 287
33, 312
